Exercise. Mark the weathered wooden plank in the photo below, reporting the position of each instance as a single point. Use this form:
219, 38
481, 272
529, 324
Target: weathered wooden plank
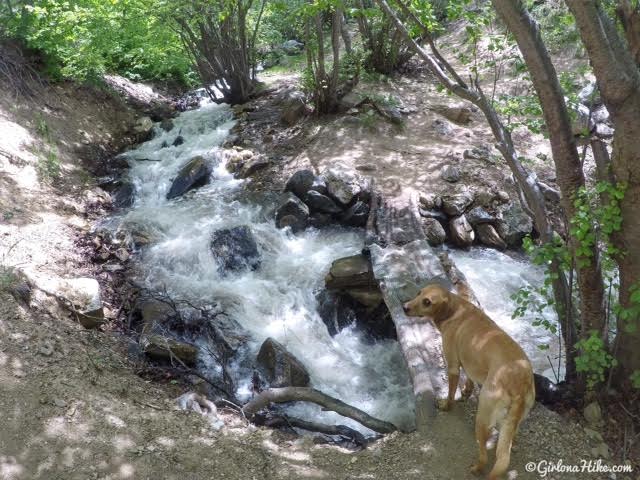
403, 263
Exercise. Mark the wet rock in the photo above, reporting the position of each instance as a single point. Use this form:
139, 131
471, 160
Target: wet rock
514, 225
318, 202
478, 215
451, 174
163, 348
166, 125
356, 215
320, 220
124, 196
456, 204
84, 296
228, 333
336, 311
434, 231
369, 297
343, 186
235, 249
301, 182
143, 129
547, 392
194, 174
461, 232
178, 141
283, 369
252, 166
487, 235
154, 315
354, 271
293, 213
294, 108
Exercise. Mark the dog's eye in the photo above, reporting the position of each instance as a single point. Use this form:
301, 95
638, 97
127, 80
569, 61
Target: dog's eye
426, 302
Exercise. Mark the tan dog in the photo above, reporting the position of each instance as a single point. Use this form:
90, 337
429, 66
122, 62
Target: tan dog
471, 340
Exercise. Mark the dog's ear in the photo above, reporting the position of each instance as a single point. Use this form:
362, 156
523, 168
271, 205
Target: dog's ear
442, 308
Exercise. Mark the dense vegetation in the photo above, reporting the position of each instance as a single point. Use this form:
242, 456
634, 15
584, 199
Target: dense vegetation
593, 265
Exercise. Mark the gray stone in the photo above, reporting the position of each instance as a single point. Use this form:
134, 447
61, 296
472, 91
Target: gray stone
283, 369
451, 174
294, 108
369, 297
195, 173
292, 213
235, 249
434, 231
347, 272
478, 153
461, 232
300, 183
342, 185
124, 196
456, 204
430, 201
514, 225
166, 125
320, 220
456, 114
593, 413
162, 348
318, 202
292, 47
83, 294
487, 235
252, 166
479, 215
357, 215
179, 140
143, 129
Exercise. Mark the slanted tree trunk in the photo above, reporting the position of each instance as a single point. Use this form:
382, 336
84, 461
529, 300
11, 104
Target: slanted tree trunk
615, 66
565, 156
452, 81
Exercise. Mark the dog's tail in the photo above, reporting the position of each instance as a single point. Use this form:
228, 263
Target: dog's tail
508, 430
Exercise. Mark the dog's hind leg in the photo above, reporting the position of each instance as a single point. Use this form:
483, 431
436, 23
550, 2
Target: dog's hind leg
482, 432
505, 439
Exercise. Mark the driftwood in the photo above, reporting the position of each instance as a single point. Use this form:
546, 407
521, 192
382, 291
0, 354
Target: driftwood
304, 394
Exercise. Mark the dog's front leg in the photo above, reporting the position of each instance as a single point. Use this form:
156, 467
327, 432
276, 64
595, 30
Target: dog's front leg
454, 378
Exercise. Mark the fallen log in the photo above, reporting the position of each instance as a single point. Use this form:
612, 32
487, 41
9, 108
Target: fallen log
305, 394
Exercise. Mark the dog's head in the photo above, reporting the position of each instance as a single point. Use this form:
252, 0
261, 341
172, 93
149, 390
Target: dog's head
432, 301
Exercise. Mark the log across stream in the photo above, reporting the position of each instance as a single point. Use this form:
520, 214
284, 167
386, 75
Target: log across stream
278, 299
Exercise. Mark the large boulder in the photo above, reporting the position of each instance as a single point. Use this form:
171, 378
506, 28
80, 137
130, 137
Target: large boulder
300, 183
461, 231
194, 174
349, 272
318, 202
487, 235
294, 107
235, 249
356, 215
283, 369
343, 186
455, 205
292, 213
434, 231
514, 225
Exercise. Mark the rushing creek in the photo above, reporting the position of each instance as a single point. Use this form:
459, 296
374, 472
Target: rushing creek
279, 299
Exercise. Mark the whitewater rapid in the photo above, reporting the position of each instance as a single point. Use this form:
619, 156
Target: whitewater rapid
279, 299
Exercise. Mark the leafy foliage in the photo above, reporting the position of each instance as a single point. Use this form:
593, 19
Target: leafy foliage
593, 359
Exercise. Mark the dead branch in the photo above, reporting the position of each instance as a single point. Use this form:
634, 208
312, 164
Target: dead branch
303, 394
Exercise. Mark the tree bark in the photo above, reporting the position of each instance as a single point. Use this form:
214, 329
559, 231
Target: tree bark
303, 394
618, 79
565, 153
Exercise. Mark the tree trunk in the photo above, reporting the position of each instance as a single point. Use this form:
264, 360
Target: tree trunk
618, 79
565, 154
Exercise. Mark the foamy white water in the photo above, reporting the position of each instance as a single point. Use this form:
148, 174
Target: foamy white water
278, 300
494, 278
